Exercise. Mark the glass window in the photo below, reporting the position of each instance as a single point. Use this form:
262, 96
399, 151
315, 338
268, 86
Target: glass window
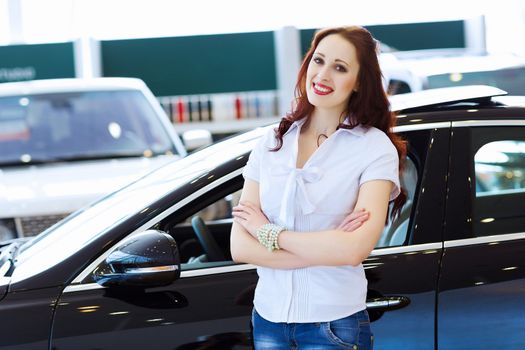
69, 126
499, 167
396, 87
203, 238
396, 232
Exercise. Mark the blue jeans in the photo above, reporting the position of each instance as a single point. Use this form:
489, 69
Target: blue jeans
352, 332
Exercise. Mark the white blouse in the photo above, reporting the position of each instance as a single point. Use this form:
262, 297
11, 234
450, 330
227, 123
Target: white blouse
315, 198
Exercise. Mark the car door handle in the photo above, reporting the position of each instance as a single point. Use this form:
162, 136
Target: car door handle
387, 303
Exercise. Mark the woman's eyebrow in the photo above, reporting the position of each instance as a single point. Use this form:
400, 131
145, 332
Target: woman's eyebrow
337, 60
340, 60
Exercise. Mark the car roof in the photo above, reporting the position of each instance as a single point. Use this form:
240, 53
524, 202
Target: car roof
452, 104
43, 86
442, 96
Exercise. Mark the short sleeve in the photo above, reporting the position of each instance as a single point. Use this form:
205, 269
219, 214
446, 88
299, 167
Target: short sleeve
252, 169
384, 167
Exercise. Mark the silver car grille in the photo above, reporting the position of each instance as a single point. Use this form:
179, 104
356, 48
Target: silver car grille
33, 225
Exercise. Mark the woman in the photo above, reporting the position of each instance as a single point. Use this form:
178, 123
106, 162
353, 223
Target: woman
334, 155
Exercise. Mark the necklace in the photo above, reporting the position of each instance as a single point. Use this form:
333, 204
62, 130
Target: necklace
318, 137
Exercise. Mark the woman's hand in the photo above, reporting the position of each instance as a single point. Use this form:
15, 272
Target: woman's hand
249, 216
354, 220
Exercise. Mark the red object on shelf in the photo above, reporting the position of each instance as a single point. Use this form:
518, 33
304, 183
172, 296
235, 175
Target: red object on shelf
180, 110
238, 108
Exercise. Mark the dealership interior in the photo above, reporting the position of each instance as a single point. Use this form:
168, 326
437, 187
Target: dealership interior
128, 130
188, 67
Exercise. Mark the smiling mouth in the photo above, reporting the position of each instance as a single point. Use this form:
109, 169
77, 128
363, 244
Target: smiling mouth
321, 89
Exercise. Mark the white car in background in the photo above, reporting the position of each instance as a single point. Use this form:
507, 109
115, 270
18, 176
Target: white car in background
67, 142
409, 71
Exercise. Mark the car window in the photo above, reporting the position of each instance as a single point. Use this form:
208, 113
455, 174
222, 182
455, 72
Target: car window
216, 224
213, 223
47, 127
499, 167
217, 220
396, 87
396, 231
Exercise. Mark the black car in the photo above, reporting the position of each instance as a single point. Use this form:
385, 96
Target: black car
148, 267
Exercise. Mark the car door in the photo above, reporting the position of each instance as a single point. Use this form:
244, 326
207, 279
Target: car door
209, 306
482, 285
403, 270
203, 308
26, 318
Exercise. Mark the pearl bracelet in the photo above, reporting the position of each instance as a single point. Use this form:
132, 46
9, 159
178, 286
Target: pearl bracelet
268, 235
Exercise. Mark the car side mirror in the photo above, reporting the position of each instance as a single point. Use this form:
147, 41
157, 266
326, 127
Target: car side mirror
197, 138
148, 259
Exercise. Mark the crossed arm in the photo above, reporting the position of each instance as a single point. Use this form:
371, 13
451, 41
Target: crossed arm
302, 249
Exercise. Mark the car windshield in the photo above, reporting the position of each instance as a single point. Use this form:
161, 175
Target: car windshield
80, 125
511, 80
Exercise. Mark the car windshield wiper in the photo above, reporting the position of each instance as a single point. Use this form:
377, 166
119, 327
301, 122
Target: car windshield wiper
8, 253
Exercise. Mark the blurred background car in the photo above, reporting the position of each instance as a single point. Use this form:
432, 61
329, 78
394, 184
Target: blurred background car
67, 142
409, 71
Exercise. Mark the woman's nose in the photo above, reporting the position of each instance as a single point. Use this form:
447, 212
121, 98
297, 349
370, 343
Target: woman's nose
323, 74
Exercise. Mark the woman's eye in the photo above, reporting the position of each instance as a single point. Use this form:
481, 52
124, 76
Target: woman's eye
318, 60
340, 68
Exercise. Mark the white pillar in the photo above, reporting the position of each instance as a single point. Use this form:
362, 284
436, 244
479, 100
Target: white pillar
16, 32
287, 61
86, 49
475, 34
87, 58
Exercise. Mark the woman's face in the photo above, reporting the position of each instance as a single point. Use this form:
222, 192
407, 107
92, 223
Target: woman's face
332, 73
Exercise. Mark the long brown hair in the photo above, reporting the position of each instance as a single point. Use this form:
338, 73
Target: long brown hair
368, 105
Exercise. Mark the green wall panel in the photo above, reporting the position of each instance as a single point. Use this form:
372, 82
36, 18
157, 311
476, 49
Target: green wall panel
415, 36
195, 64
41, 61
306, 38
410, 36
